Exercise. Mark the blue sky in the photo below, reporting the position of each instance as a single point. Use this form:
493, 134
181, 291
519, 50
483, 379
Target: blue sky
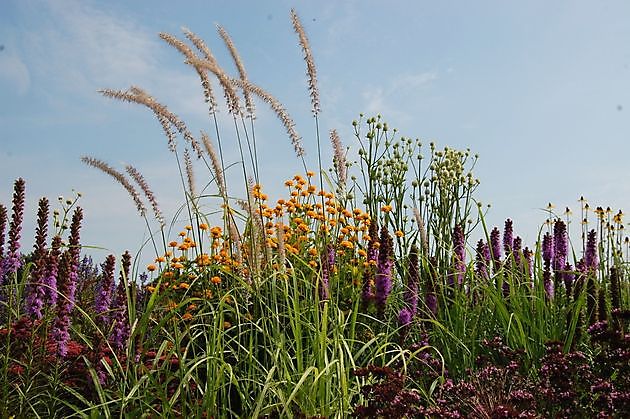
540, 90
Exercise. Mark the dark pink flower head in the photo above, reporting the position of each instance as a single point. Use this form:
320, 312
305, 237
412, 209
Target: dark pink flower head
383, 280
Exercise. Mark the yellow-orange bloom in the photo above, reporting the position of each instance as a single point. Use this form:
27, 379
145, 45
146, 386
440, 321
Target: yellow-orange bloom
187, 316
203, 226
151, 268
173, 244
399, 233
215, 280
386, 208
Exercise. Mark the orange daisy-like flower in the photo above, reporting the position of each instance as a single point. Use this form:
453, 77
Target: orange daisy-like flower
151, 268
160, 259
216, 232
173, 244
399, 233
187, 316
184, 285
203, 226
386, 208
215, 280
310, 173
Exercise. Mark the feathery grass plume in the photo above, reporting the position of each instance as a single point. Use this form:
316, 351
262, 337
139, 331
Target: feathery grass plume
210, 63
103, 294
120, 178
3, 227
208, 92
280, 111
310, 63
13, 260
216, 163
424, 241
36, 290
141, 181
339, 157
190, 174
66, 285
249, 104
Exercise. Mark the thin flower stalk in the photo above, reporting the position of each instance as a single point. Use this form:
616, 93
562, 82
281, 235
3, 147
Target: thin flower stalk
13, 261
36, 290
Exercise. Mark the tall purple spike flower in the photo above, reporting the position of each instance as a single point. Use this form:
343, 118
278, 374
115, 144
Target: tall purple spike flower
367, 294
413, 280
495, 248
120, 331
36, 290
13, 260
104, 290
482, 260
383, 280
430, 297
328, 263
569, 278
508, 237
3, 228
67, 283
528, 263
459, 255
560, 251
517, 250
547, 255
590, 254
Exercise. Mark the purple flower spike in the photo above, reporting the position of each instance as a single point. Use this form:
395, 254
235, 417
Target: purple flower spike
13, 261
36, 290
52, 270
517, 250
590, 255
120, 332
482, 259
3, 228
383, 280
508, 237
459, 255
103, 295
568, 277
413, 281
560, 245
404, 317
367, 294
547, 254
495, 247
430, 298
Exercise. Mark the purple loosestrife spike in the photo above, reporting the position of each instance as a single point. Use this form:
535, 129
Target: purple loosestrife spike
590, 255
508, 237
459, 255
367, 294
482, 260
120, 332
103, 296
495, 247
413, 280
66, 284
383, 280
3, 227
13, 260
36, 290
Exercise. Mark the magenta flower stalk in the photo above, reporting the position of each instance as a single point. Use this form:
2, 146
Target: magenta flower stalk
36, 289
383, 280
120, 331
590, 254
547, 255
367, 294
13, 260
459, 255
568, 277
67, 283
482, 260
495, 248
405, 317
560, 251
508, 237
103, 295
528, 263
3, 227
517, 250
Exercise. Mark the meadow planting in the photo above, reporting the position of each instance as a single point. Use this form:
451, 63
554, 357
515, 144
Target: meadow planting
372, 287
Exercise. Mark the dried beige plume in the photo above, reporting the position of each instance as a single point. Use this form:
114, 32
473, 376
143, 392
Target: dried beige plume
280, 111
249, 103
216, 163
210, 63
190, 174
208, 93
339, 157
424, 241
311, 70
141, 181
120, 178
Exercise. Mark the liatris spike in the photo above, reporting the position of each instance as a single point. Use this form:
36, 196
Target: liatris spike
36, 289
547, 254
430, 297
615, 282
383, 280
560, 251
495, 248
3, 227
103, 295
459, 256
13, 260
569, 278
508, 237
482, 260
590, 254
66, 284
52, 270
367, 294
413, 281
120, 332
528, 263
405, 316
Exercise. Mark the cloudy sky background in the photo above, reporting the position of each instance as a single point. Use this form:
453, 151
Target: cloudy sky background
540, 90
